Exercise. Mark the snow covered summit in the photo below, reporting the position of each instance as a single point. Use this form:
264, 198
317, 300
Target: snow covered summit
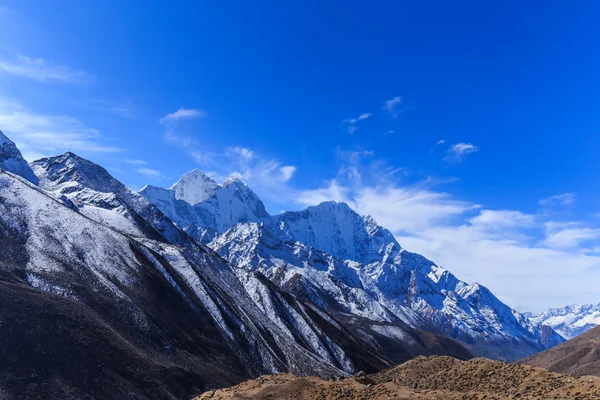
194, 187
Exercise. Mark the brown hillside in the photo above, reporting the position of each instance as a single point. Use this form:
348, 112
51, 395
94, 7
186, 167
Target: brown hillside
579, 356
427, 378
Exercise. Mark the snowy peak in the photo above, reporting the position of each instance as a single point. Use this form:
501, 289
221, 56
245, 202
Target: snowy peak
195, 186
234, 180
12, 160
68, 172
198, 201
337, 229
569, 321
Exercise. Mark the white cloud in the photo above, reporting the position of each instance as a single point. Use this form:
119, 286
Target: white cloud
287, 171
496, 219
150, 173
135, 162
391, 105
182, 113
562, 199
457, 152
439, 142
563, 235
332, 191
42, 70
242, 153
39, 135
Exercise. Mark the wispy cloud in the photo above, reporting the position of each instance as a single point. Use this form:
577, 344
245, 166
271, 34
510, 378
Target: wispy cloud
135, 162
40, 135
457, 152
332, 191
150, 173
242, 153
182, 113
501, 219
351, 122
125, 108
561, 235
439, 142
392, 105
43, 71
563, 199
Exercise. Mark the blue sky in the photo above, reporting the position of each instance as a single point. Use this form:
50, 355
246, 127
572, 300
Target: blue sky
469, 129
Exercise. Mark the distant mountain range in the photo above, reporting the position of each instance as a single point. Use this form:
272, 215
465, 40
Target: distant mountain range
106, 292
569, 321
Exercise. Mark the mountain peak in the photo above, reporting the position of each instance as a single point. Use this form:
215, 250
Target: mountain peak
194, 187
68, 169
233, 180
3, 138
12, 160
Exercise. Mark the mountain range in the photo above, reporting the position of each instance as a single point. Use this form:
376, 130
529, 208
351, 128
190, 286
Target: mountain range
166, 293
344, 262
569, 321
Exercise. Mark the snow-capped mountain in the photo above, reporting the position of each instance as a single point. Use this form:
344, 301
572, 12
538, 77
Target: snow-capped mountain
569, 321
212, 208
11, 159
388, 285
99, 289
331, 256
95, 193
194, 187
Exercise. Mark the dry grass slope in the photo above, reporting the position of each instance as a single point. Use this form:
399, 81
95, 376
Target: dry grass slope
427, 378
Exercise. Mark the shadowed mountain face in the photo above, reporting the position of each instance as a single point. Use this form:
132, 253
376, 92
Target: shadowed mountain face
578, 357
102, 296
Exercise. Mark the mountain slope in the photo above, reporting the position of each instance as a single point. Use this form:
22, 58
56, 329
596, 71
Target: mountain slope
90, 189
578, 357
11, 159
395, 286
569, 321
78, 286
